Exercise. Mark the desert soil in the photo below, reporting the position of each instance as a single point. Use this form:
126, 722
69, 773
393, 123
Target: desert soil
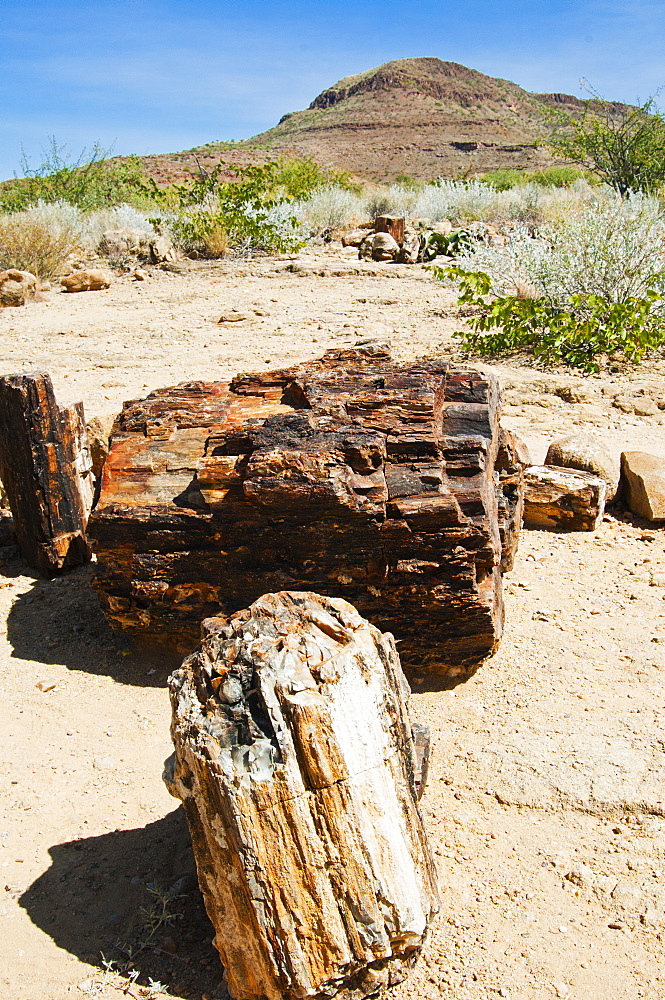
545, 804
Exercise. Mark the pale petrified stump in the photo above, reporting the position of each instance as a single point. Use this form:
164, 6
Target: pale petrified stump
294, 760
45, 469
562, 500
351, 476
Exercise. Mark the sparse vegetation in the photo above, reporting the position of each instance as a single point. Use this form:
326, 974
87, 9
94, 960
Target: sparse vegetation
31, 243
588, 327
624, 146
92, 181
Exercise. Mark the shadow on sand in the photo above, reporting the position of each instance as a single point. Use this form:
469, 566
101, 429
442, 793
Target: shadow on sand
90, 903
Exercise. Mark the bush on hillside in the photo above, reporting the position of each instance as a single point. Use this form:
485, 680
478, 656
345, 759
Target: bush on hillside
91, 182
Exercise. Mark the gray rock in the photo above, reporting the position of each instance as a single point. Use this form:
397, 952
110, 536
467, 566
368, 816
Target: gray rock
587, 454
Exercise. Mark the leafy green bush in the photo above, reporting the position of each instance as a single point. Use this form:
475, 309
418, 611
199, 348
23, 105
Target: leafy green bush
30, 243
91, 182
299, 178
505, 179
578, 335
623, 145
210, 213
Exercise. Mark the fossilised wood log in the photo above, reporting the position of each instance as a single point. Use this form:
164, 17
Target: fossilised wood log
392, 225
294, 760
561, 500
351, 476
45, 468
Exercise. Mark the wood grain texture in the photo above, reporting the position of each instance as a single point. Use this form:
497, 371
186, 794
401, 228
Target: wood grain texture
295, 761
350, 476
46, 471
563, 500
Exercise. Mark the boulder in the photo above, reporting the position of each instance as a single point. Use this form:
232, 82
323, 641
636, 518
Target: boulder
162, 250
17, 287
587, 454
410, 250
87, 281
384, 247
559, 500
643, 482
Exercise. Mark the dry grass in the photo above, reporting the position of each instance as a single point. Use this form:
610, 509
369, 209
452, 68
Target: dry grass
30, 244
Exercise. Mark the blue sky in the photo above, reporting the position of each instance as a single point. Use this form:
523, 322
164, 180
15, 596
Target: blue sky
161, 75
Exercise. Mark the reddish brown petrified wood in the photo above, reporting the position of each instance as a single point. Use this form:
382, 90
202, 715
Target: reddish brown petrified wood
45, 469
351, 476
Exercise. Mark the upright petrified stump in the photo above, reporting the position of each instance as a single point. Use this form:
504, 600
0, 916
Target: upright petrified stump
351, 476
45, 469
294, 759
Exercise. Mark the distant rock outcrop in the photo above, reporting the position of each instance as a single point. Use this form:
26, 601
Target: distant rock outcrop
424, 118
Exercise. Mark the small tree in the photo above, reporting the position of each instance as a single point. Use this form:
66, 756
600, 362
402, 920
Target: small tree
623, 145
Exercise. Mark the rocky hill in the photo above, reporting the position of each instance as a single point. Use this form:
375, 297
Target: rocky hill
418, 117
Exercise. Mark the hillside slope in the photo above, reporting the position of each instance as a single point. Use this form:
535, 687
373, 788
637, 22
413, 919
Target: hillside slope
420, 117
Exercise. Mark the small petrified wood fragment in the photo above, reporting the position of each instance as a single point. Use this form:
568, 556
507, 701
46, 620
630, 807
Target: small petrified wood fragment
563, 500
294, 759
351, 476
45, 469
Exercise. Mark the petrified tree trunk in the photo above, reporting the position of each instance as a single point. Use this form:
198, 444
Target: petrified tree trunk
46, 472
351, 476
563, 500
390, 224
295, 764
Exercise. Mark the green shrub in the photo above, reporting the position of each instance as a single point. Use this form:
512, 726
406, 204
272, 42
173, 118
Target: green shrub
29, 243
592, 325
91, 182
210, 213
505, 179
299, 178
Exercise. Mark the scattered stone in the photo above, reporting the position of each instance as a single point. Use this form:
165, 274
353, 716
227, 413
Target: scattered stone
162, 250
645, 406
295, 761
139, 274
233, 317
624, 404
87, 281
354, 238
570, 394
587, 454
643, 477
17, 287
559, 500
410, 250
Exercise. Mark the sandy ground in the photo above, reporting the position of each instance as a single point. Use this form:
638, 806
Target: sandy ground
546, 802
